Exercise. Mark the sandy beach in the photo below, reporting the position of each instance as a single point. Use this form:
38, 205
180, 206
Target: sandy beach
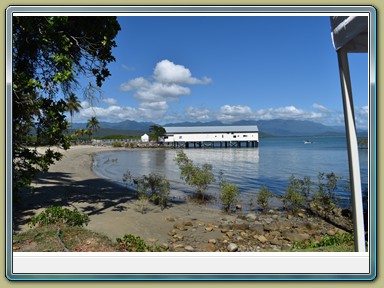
113, 209
184, 225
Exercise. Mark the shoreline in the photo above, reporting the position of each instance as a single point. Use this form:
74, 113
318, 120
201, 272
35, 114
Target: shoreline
183, 226
72, 183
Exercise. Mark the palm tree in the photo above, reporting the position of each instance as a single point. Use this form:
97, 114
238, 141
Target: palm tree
93, 124
73, 105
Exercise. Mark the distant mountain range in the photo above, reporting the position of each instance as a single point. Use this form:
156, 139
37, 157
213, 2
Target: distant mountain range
124, 125
276, 127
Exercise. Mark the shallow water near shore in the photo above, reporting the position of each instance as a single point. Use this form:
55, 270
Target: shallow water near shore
271, 164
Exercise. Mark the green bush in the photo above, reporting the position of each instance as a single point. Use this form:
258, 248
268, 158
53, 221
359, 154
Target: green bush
131, 243
293, 199
59, 215
130, 145
229, 194
325, 200
117, 144
197, 177
263, 198
153, 187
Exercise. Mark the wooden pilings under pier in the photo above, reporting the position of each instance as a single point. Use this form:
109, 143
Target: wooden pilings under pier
215, 144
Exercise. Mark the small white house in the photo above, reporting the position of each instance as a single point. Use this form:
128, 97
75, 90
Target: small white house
145, 138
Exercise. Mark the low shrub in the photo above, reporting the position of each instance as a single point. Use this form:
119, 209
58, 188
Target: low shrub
325, 200
229, 193
229, 196
293, 199
142, 204
59, 215
131, 243
263, 198
152, 187
195, 176
117, 144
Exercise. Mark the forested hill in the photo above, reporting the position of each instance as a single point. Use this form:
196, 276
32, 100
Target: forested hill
276, 127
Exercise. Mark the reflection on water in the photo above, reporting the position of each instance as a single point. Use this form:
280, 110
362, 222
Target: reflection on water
271, 164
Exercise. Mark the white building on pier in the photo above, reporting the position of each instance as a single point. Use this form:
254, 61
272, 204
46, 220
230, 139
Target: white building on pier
212, 136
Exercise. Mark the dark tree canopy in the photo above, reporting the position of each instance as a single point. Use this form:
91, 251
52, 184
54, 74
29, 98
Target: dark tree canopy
49, 54
156, 131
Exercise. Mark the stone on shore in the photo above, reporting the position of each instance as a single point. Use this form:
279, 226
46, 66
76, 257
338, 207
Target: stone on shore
189, 248
232, 247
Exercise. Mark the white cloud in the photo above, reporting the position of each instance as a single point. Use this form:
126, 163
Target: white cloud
169, 72
321, 108
160, 91
320, 114
234, 113
158, 111
362, 115
166, 84
235, 110
121, 113
109, 101
85, 104
198, 114
287, 112
364, 111
161, 105
137, 83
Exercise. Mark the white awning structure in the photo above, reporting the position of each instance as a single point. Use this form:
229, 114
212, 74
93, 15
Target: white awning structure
350, 34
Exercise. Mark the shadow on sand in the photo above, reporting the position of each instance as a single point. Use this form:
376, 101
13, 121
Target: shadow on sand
93, 196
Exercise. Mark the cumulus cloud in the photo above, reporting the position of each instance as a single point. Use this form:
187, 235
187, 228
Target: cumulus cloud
319, 113
362, 115
161, 105
137, 83
119, 113
321, 108
364, 111
109, 101
167, 84
234, 113
84, 104
169, 72
287, 112
235, 110
198, 114
160, 91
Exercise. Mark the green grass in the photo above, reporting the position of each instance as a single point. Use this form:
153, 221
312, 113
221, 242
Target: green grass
340, 242
341, 248
59, 238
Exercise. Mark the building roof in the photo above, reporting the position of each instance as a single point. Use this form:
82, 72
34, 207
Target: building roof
211, 129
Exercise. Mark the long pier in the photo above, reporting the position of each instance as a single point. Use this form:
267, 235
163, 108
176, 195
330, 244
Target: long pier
214, 144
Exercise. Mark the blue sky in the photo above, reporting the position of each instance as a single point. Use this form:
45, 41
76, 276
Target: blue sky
228, 68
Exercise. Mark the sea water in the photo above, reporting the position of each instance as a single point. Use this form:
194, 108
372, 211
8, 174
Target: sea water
271, 164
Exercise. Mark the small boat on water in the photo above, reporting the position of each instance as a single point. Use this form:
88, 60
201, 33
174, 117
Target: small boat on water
307, 142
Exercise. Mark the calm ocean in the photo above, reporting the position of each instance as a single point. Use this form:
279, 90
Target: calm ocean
271, 164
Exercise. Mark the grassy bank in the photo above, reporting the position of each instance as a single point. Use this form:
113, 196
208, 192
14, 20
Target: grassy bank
64, 238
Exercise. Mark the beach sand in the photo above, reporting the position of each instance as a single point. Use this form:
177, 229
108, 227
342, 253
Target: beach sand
114, 210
